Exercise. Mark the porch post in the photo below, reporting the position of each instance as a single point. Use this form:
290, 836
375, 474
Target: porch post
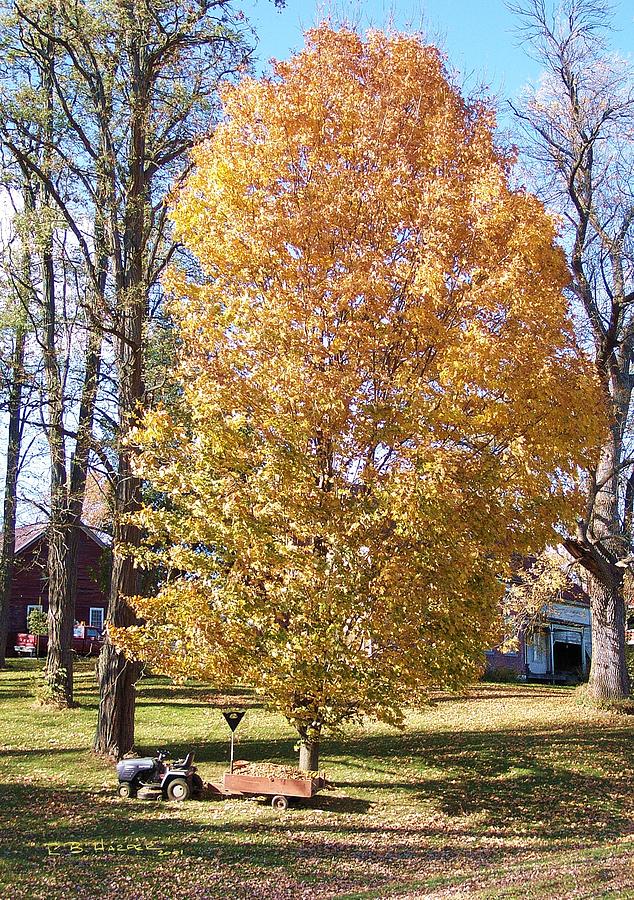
552, 654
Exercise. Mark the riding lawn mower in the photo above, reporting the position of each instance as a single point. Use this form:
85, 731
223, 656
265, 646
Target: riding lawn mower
151, 778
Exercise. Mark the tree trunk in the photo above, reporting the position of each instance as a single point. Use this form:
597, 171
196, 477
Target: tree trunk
115, 719
599, 548
115, 722
64, 536
68, 482
67, 495
10, 488
309, 749
62, 553
61, 610
608, 672
568, 129
117, 675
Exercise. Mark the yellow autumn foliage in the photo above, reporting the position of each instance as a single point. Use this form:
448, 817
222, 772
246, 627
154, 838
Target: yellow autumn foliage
381, 394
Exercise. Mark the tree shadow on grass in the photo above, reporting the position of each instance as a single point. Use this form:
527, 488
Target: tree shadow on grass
513, 781
43, 751
540, 803
42, 822
479, 748
195, 696
67, 830
337, 804
492, 787
14, 683
172, 702
565, 786
493, 693
154, 686
17, 694
217, 751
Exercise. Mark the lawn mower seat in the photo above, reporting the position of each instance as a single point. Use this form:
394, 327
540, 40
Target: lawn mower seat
184, 763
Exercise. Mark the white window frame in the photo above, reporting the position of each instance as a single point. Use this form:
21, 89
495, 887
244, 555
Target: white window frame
30, 607
99, 609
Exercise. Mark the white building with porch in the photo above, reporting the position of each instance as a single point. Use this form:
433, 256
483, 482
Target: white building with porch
554, 645
558, 644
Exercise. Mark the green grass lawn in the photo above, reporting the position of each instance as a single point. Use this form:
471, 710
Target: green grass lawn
505, 792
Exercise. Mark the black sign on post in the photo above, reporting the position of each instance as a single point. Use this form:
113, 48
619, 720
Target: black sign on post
233, 717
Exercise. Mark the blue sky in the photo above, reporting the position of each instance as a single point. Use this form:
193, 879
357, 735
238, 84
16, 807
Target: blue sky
477, 35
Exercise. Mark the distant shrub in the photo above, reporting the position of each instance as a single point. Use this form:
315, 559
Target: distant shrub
37, 622
501, 675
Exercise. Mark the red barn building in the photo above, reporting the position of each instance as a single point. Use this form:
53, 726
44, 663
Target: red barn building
29, 587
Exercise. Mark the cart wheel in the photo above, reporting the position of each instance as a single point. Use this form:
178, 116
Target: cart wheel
178, 789
125, 790
197, 786
279, 802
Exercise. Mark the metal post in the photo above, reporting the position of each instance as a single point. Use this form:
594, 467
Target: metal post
233, 717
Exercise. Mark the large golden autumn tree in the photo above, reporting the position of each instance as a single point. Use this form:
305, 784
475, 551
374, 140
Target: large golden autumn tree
381, 396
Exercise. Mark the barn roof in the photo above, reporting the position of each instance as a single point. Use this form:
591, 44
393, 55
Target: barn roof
27, 535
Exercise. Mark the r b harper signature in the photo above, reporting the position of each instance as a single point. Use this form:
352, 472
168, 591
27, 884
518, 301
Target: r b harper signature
77, 848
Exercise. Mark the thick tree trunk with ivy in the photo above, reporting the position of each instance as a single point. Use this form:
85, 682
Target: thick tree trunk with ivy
61, 613
68, 485
64, 529
10, 485
63, 533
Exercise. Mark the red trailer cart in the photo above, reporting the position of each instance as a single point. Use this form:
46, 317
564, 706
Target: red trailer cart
275, 783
